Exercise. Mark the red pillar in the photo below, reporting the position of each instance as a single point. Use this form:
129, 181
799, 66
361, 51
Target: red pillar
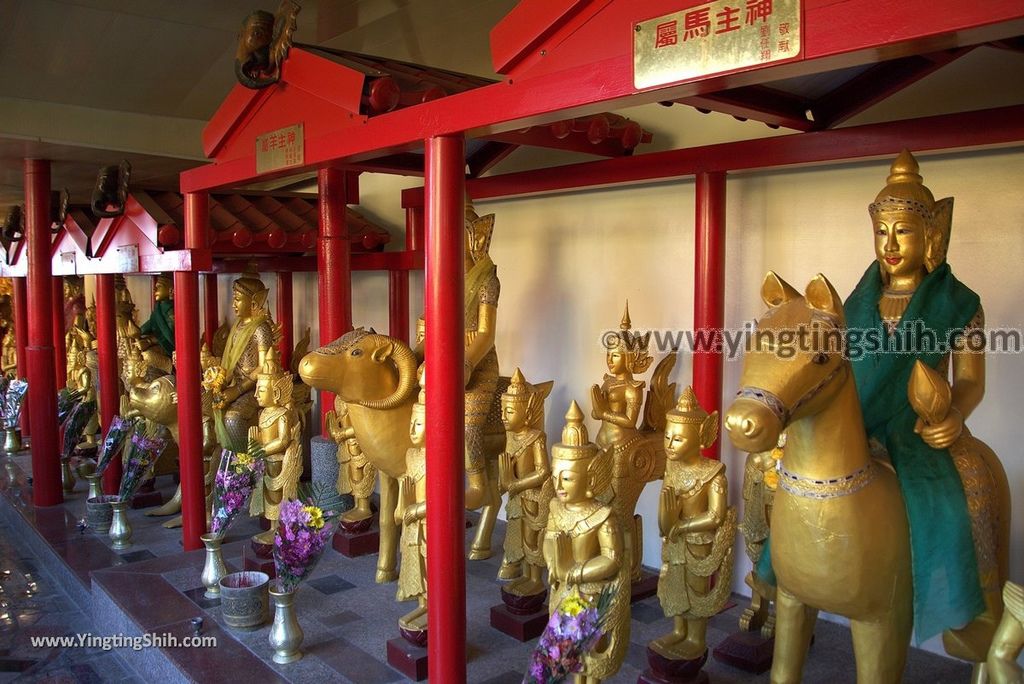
211, 316
334, 267
445, 355
106, 349
39, 361
285, 317
186, 344
709, 292
60, 352
21, 341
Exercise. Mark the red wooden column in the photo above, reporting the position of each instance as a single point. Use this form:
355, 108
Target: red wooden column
445, 355
211, 316
21, 341
285, 319
334, 266
709, 292
186, 344
39, 361
106, 348
60, 352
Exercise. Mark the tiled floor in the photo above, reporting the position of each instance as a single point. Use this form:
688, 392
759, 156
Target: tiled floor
347, 618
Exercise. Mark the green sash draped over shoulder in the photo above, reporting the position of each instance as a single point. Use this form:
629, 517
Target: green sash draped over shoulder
161, 325
947, 590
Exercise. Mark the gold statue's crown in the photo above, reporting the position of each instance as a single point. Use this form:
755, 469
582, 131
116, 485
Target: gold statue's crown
518, 388
249, 283
166, 279
904, 189
479, 225
633, 343
575, 444
687, 410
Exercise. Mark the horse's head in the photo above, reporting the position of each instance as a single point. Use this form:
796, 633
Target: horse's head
792, 362
364, 368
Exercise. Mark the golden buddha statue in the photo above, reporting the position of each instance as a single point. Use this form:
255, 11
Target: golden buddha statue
760, 481
159, 328
279, 432
697, 529
411, 512
80, 378
233, 381
8, 342
525, 473
583, 544
954, 488
636, 454
356, 474
1001, 665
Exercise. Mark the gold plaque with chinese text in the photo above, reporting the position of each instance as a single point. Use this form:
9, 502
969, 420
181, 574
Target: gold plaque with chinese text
280, 149
714, 37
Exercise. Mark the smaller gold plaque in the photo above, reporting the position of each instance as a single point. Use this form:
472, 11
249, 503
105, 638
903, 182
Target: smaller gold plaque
280, 149
714, 37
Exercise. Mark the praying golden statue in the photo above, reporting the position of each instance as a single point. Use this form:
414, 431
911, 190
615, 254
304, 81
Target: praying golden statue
279, 432
159, 328
697, 529
356, 474
525, 473
412, 513
231, 384
583, 544
636, 454
9, 353
80, 377
954, 488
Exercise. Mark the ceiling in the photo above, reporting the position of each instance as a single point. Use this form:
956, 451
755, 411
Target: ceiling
88, 82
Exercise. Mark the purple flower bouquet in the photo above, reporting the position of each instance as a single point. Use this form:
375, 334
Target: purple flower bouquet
147, 442
572, 631
237, 476
303, 532
119, 430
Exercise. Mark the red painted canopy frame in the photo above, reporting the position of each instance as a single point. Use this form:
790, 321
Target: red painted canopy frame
573, 58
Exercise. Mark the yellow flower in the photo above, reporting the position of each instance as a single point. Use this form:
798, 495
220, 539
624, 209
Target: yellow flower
771, 480
573, 605
316, 517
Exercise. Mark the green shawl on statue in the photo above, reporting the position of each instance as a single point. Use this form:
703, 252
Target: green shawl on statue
161, 325
947, 590
238, 340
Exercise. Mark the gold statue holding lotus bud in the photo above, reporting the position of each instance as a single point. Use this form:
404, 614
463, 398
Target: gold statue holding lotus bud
760, 481
279, 432
356, 474
697, 530
583, 543
525, 473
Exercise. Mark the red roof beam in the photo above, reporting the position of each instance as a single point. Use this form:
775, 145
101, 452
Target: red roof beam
760, 103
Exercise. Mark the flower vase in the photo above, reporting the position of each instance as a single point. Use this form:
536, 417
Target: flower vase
67, 478
12, 440
95, 491
213, 568
120, 530
285, 634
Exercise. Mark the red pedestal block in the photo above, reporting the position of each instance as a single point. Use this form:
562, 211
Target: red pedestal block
664, 670
520, 627
408, 659
147, 499
648, 677
747, 651
645, 587
251, 561
354, 544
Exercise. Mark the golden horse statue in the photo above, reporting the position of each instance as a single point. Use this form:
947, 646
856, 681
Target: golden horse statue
374, 376
840, 537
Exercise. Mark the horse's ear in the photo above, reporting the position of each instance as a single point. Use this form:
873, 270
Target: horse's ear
821, 296
775, 291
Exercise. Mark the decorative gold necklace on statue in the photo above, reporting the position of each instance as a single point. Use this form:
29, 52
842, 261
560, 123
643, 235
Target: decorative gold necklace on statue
892, 305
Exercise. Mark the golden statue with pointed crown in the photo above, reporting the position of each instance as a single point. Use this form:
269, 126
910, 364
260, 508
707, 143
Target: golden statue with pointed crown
279, 432
525, 473
411, 512
697, 530
636, 453
583, 543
